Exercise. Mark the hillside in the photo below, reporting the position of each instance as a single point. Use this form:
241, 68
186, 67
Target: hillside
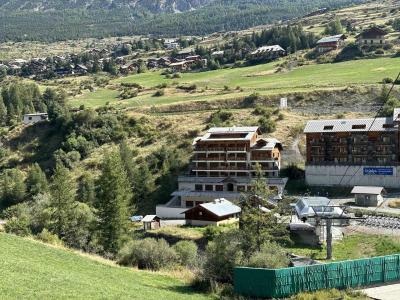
68, 275
59, 20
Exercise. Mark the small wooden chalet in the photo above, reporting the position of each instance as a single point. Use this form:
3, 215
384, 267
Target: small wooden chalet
371, 36
151, 222
330, 43
220, 211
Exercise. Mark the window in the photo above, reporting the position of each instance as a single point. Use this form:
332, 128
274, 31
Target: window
241, 188
387, 125
219, 188
372, 41
365, 42
380, 42
359, 126
30, 118
198, 187
189, 203
209, 187
328, 127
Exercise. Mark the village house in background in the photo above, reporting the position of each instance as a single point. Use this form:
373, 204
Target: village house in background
351, 152
224, 166
371, 36
34, 118
330, 43
218, 212
368, 195
151, 222
265, 53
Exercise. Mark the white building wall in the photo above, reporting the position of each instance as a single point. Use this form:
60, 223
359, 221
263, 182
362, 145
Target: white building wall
166, 212
350, 176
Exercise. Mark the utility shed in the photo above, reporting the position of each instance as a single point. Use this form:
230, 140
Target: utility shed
151, 222
221, 211
368, 195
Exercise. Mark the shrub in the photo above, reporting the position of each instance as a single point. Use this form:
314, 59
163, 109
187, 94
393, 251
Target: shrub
159, 93
281, 117
266, 125
49, 238
187, 88
176, 75
351, 51
211, 232
148, 253
220, 117
260, 110
186, 252
387, 80
221, 256
271, 256
379, 51
251, 99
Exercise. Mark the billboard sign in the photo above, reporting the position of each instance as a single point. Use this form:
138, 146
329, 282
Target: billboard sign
378, 171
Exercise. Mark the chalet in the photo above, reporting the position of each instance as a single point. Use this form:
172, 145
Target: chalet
368, 195
34, 118
126, 69
330, 43
184, 54
220, 211
180, 66
267, 53
171, 45
80, 69
217, 53
164, 62
151, 222
371, 36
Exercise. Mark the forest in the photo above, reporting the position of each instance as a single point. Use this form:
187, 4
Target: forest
74, 22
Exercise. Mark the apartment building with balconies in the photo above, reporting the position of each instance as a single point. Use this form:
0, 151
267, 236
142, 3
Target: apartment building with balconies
224, 166
350, 152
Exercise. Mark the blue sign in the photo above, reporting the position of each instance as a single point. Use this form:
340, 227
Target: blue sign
378, 171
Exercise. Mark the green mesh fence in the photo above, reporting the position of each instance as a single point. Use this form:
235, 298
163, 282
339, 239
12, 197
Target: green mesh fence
277, 283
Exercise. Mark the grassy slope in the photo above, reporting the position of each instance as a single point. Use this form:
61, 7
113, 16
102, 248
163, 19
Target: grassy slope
260, 78
32, 270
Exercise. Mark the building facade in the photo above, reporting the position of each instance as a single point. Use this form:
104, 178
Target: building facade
34, 118
224, 166
353, 152
371, 36
330, 43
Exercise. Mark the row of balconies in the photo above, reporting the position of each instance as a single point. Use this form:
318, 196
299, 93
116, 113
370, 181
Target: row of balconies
220, 149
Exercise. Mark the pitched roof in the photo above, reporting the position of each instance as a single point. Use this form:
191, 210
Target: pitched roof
220, 207
374, 190
233, 129
264, 49
330, 39
350, 125
372, 32
149, 218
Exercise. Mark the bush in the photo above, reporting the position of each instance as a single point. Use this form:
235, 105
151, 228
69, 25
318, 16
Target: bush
387, 80
271, 256
379, 52
148, 253
159, 93
266, 125
186, 252
211, 232
351, 51
49, 238
220, 117
260, 110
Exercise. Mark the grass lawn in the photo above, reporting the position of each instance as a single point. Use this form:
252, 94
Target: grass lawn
260, 78
31, 270
354, 246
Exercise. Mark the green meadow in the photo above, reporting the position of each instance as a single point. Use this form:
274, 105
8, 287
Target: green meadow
239, 82
32, 270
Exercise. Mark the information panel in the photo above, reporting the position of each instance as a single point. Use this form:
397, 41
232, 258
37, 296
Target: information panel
378, 171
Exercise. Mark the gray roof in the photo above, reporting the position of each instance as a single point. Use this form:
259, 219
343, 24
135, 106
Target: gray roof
316, 201
210, 194
373, 190
330, 39
263, 49
233, 129
221, 207
346, 125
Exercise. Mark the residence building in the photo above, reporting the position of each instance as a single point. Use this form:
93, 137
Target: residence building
371, 36
34, 118
224, 166
218, 212
330, 43
267, 53
350, 152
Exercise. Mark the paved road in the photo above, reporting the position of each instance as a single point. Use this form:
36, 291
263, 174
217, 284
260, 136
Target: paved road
387, 292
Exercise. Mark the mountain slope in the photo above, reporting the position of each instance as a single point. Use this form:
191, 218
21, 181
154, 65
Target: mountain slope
31, 270
50, 20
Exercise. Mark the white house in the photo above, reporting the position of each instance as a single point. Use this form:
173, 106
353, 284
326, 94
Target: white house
34, 118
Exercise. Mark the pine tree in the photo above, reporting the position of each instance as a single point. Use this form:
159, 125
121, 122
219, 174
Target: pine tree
113, 196
144, 186
87, 189
3, 112
62, 202
36, 181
